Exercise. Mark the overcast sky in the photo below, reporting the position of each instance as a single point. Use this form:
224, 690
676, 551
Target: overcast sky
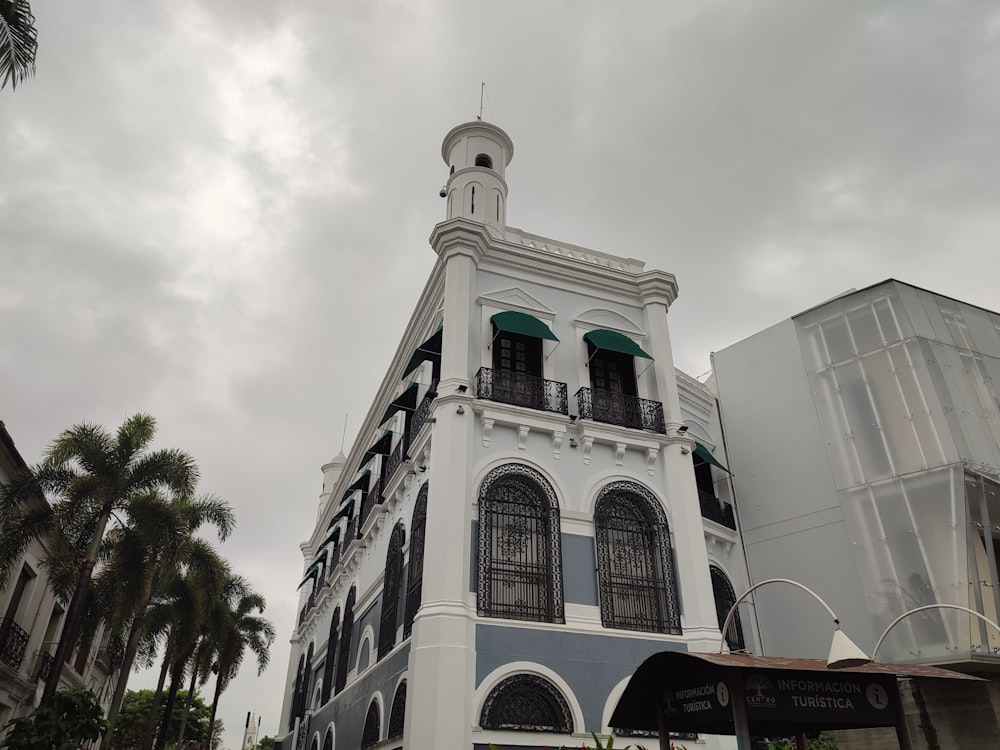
218, 212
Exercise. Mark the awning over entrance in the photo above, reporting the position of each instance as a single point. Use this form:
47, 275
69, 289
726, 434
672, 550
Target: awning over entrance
783, 696
706, 455
526, 325
407, 400
430, 349
615, 342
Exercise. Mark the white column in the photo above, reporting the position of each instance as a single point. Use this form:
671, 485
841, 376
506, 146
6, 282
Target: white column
442, 655
700, 621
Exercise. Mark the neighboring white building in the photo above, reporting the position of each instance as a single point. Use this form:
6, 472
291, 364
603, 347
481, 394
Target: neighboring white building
250, 731
864, 437
531, 508
32, 624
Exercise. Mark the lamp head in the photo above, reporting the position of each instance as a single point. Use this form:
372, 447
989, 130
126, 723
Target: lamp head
845, 653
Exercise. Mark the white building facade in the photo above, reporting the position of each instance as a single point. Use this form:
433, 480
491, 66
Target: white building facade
542, 503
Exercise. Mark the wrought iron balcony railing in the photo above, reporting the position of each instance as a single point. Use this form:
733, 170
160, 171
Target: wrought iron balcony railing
43, 666
509, 387
617, 408
397, 456
422, 413
714, 509
13, 639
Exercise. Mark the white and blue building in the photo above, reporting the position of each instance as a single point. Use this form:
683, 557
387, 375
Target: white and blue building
537, 502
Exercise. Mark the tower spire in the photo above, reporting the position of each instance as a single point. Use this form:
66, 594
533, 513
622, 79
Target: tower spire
477, 154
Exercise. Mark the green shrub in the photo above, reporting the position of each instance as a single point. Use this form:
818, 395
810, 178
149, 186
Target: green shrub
67, 721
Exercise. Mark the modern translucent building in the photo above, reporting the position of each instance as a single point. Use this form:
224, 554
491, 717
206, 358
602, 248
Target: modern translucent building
863, 436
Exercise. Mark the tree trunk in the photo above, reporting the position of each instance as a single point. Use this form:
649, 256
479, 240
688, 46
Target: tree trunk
215, 705
187, 706
176, 676
154, 711
72, 623
134, 634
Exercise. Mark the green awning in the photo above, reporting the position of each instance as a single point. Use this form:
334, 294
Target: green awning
346, 511
333, 532
382, 447
527, 325
311, 573
706, 455
406, 400
430, 349
321, 557
613, 341
361, 483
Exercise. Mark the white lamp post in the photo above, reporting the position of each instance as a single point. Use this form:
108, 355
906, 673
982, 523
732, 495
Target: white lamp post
924, 608
843, 651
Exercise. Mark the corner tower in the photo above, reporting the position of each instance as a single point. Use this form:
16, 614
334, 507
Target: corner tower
477, 154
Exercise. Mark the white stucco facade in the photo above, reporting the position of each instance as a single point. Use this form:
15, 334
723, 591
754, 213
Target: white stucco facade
516, 411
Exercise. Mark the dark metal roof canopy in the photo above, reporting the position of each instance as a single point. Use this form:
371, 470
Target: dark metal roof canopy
769, 696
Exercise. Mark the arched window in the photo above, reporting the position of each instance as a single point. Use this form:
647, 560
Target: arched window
529, 703
520, 559
397, 715
373, 726
483, 160
314, 745
344, 647
307, 673
392, 587
725, 598
328, 740
634, 561
331, 656
296, 695
415, 569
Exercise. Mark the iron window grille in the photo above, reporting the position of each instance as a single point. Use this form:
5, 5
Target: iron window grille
331, 652
397, 716
521, 389
296, 694
716, 510
370, 736
13, 640
422, 413
634, 561
328, 740
621, 409
391, 589
344, 647
520, 558
415, 570
725, 598
527, 703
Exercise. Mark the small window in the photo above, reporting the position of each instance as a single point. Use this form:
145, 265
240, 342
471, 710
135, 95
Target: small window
526, 703
484, 161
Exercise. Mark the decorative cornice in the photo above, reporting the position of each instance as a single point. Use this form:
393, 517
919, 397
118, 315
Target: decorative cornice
460, 237
657, 286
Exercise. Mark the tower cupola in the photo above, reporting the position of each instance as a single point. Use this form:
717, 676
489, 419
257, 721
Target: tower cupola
477, 154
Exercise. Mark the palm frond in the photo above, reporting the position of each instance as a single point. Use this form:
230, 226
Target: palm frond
170, 467
18, 41
89, 445
210, 509
134, 436
22, 525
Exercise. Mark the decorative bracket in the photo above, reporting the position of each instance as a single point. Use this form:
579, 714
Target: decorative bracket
619, 453
651, 454
557, 439
588, 444
522, 437
487, 431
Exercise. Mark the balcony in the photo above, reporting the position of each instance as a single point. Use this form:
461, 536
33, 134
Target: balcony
715, 510
617, 408
13, 640
422, 413
509, 387
397, 457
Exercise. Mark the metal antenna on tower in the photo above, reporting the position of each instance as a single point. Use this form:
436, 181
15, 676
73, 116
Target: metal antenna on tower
482, 90
343, 436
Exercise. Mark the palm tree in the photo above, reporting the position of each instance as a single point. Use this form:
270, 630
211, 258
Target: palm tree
90, 473
181, 615
158, 540
18, 41
235, 629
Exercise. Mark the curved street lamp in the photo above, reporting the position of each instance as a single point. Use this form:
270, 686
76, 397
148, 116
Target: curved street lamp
843, 651
924, 608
